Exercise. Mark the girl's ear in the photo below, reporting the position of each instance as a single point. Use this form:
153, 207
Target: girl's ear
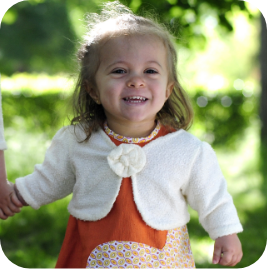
91, 91
169, 89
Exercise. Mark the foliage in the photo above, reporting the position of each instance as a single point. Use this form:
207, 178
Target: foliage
225, 116
34, 31
38, 37
186, 18
45, 117
32, 239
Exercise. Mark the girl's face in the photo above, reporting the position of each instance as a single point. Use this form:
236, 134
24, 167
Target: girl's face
132, 79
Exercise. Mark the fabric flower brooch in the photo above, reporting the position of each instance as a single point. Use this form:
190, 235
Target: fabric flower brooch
127, 160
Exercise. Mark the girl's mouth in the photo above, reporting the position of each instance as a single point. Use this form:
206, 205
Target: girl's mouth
135, 99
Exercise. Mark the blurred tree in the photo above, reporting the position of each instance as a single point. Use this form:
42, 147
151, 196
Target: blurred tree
36, 37
263, 103
189, 15
263, 63
41, 35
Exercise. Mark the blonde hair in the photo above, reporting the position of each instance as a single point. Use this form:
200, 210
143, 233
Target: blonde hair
116, 20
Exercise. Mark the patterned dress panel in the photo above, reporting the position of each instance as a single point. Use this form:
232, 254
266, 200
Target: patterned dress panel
124, 254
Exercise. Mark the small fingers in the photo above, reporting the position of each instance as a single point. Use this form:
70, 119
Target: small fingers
8, 209
15, 200
10, 206
8, 212
3, 215
227, 259
216, 254
14, 209
237, 259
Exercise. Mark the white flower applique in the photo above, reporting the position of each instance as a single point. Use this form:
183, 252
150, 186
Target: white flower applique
127, 160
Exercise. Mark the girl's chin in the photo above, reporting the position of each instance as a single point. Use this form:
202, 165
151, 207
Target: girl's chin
138, 120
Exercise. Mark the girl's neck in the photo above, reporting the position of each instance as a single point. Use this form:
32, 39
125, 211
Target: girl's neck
134, 130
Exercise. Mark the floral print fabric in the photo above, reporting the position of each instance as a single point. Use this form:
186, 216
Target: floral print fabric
123, 254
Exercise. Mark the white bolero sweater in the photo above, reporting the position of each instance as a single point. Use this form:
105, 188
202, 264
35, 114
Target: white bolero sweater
167, 174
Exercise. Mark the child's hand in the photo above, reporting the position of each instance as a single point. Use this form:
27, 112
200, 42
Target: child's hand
9, 202
227, 250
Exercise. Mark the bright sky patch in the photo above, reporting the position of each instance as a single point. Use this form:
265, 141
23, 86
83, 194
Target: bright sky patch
261, 5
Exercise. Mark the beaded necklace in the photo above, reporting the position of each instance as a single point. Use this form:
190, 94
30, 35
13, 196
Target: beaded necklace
131, 140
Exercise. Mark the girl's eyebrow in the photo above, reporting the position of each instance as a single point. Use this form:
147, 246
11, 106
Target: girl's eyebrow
155, 62
124, 62
117, 62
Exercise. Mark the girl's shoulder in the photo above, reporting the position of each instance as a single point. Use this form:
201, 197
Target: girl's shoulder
168, 129
70, 133
180, 136
191, 143
180, 140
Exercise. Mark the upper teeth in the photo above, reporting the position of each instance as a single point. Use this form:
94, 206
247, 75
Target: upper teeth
136, 97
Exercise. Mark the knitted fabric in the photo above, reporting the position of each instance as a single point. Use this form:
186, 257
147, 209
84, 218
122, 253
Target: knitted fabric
179, 169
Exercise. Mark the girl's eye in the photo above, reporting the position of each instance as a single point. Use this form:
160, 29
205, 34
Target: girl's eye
151, 71
119, 71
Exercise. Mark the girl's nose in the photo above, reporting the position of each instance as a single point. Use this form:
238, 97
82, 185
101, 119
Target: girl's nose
135, 82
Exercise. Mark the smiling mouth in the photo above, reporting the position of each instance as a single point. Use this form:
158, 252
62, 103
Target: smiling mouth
135, 99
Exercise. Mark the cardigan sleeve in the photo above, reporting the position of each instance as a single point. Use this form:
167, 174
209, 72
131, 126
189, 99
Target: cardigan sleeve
3, 145
52, 180
207, 194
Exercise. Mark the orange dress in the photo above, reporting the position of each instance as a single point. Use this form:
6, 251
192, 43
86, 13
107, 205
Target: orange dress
122, 238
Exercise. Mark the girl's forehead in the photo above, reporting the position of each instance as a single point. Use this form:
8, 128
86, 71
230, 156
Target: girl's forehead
133, 38
124, 46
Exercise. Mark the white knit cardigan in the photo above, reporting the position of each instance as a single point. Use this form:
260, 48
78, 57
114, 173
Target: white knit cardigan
166, 174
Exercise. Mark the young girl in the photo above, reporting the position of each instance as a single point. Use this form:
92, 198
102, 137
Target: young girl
127, 159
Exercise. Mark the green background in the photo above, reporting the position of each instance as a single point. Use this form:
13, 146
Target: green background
218, 66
